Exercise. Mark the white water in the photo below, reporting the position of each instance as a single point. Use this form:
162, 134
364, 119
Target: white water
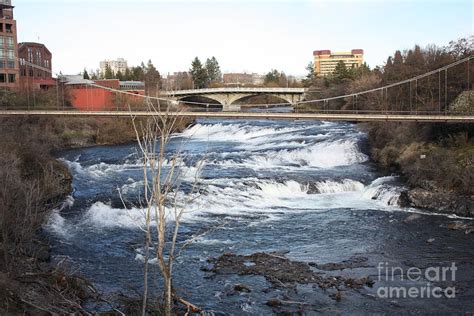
297, 149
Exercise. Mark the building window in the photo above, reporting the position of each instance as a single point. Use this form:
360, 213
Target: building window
11, 54
11, 63
9, 28
12, 78
2, 40
2, 64
1, 27
30, 55
3, 78
10, 42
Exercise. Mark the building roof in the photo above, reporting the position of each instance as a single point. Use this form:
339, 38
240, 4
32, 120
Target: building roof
328, 52
132, 83
32, 44
75, 80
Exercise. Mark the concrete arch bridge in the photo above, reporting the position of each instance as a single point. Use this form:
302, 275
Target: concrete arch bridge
229, 97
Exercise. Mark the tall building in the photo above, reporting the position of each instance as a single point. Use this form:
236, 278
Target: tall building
325, 61
35, 66
115, 65
9, 66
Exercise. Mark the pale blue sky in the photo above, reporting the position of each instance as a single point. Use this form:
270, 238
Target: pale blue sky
252, 36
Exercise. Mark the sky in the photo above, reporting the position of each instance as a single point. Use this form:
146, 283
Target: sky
244, 35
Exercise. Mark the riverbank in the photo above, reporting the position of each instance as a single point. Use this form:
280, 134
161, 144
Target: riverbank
436, 161
32, 183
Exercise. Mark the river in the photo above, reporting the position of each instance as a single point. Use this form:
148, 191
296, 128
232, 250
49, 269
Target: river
304, 188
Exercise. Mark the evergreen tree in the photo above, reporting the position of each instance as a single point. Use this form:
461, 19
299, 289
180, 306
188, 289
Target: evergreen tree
398, 58
272, 77
199, 74
308, 81
119, 76
85, 75
213, 70
128, 75
358, 72
137, 74
152, 79
109, 74
341, 72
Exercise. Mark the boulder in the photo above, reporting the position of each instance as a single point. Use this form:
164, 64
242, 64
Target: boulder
442, 202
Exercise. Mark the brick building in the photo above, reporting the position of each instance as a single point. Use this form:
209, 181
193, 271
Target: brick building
87, 97
38, 76
9, 66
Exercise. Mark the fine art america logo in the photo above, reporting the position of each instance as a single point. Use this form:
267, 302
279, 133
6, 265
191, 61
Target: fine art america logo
430, 275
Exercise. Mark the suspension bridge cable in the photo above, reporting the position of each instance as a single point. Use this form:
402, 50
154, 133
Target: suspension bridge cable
325, 100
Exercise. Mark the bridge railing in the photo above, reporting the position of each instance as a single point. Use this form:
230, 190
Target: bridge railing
210, 109
236, 90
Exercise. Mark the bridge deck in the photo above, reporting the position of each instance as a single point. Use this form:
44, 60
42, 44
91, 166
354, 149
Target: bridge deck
259, 116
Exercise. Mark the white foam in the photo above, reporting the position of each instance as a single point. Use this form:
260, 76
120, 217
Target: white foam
346, 185
383, 190
101, 169
104, 216
235, 132
58, 225
323, 155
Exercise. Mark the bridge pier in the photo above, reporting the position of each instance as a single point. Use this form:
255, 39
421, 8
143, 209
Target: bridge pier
231, 107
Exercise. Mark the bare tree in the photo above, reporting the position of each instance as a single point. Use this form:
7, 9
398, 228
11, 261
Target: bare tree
162, 199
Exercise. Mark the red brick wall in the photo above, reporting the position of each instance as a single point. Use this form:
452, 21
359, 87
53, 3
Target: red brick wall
86, 98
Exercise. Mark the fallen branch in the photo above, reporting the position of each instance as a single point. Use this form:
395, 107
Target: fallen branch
191, 307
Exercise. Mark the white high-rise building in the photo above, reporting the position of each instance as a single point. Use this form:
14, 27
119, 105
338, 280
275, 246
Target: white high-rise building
115, 65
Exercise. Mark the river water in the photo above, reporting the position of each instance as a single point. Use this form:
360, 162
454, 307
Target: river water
305, 188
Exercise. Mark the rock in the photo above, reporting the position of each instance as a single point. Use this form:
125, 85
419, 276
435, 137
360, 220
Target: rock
354, 262
281, 272
336, 296
431, 240
457, 226
442, 202
461, 226
242, 288
404, 200
274, 302
411, 218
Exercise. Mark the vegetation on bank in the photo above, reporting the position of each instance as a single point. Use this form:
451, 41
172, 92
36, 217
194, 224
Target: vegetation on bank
435, 157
